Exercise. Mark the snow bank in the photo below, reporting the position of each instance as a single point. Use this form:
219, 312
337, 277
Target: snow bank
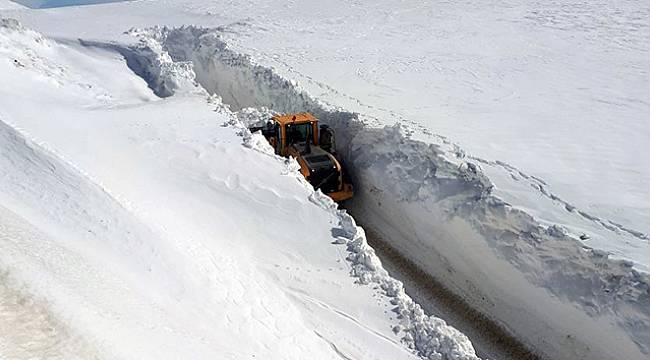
430, 336
439, 209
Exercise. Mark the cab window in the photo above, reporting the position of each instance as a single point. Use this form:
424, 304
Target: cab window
297, 133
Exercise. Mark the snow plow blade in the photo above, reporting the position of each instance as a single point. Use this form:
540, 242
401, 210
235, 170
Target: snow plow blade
345, 194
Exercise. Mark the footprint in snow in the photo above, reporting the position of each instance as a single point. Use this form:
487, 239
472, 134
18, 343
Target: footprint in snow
232, 182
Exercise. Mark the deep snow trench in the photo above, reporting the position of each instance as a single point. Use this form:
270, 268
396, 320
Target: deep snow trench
490, 340
436, 207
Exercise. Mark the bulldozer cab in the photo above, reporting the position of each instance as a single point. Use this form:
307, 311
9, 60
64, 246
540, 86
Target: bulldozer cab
297, 136
295, 131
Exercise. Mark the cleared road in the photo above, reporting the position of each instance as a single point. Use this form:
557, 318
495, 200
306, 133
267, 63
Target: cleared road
489, 340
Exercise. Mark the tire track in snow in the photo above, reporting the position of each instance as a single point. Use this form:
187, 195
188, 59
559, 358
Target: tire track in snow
323, 305
333, 346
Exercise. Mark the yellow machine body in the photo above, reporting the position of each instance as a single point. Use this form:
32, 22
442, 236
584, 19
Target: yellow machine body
297, 135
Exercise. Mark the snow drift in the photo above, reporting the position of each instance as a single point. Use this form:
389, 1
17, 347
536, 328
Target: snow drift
437, 207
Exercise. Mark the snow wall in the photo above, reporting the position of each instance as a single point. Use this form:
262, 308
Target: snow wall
436, 207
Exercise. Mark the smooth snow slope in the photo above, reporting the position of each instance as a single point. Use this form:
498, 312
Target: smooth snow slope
142, 228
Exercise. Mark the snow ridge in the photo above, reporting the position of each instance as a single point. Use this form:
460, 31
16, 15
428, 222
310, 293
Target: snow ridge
429, 336
542, 187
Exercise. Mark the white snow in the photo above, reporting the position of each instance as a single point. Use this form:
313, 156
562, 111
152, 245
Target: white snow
538, 219
9, 5
140, 227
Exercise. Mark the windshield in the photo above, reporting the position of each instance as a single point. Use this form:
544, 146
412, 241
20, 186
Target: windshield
298, 133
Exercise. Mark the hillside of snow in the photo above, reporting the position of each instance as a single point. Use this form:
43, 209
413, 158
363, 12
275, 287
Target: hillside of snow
498, 147
128, 231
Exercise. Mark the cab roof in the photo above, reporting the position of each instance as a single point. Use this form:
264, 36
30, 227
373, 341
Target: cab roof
299, 118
